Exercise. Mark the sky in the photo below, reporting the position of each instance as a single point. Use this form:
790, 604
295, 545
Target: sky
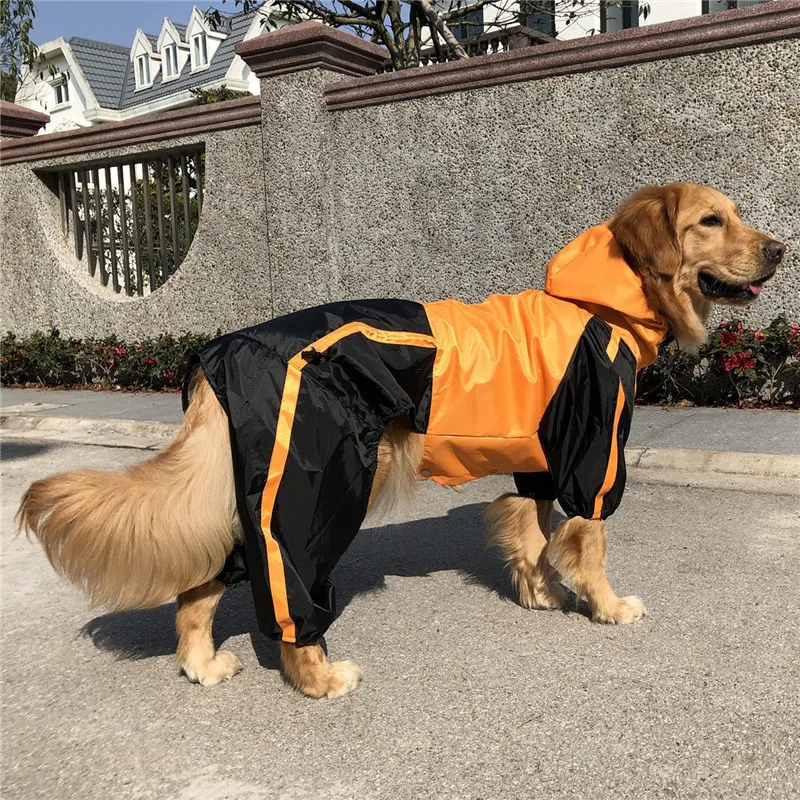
112, 21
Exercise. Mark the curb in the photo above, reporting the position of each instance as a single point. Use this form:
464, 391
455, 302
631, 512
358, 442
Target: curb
144, 435
126, 433
719, 461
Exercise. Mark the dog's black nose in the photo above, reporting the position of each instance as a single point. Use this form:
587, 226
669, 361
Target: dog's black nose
773, 251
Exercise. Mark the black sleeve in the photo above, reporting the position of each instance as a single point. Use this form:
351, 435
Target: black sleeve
586, 424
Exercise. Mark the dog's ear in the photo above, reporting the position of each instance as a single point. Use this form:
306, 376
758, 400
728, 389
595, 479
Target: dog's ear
644, 228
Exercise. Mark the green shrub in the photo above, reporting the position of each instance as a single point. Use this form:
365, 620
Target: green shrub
47, 359
739, 366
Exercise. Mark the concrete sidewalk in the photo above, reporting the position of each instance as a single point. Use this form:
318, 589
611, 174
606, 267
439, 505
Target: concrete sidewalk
716, 429
466, 695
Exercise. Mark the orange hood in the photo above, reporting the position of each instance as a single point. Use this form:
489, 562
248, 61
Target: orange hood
592, 271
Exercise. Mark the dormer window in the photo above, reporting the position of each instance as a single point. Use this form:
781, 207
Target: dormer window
61, 91
171, 61
143, 71
199, 51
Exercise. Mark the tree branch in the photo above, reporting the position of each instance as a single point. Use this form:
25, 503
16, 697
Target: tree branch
440, 25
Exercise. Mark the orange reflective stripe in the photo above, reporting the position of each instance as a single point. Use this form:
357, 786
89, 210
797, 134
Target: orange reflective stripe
277, 464
280, 452
611, 469
613, 347
375, 334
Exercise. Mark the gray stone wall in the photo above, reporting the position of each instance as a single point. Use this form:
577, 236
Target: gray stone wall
224, 281
460, 195
472, 193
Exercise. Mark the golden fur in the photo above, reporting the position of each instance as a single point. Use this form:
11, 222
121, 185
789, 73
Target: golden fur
164, 528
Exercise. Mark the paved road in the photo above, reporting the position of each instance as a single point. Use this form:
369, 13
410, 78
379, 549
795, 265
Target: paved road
739, 430
466, 695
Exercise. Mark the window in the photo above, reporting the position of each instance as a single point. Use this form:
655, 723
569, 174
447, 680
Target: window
711, 6
171, 61
619, 17
539, 15
62, 93
142, 71
469, 26
199, 49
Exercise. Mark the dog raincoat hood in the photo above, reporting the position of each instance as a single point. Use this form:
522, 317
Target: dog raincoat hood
591, 270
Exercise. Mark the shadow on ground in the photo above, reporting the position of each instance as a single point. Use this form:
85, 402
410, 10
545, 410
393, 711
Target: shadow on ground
408, 549
14, 451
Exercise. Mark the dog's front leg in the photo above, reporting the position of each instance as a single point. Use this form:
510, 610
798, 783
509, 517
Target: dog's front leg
193, 623
309, 671
520, 527
577, 550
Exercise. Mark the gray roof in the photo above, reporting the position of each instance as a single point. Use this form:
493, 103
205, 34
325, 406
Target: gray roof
181, 30
109, 70
104, 66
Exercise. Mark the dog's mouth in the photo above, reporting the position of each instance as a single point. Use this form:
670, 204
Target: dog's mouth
715, 289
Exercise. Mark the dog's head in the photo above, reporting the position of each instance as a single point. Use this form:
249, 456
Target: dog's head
691, 248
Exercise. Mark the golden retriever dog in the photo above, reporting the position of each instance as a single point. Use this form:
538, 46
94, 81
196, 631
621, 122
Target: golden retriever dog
171, 522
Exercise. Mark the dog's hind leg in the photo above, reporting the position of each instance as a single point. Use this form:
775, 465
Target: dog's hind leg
577, 550
309, 671
520, 527
193, 622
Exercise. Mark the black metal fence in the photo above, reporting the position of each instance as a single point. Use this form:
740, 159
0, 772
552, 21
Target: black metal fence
133, 221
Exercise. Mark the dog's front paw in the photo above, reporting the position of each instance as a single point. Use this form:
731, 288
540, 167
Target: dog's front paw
222, 667
624, 611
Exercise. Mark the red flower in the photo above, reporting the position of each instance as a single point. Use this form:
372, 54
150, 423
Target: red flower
730, 362
758, 336
169, 375
120, 351
728, 339
746, 360
149, 361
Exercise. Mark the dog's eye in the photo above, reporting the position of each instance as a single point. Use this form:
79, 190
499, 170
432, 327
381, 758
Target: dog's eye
711, 221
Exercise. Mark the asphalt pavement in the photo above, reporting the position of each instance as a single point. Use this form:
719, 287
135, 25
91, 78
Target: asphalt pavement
717, 429
465, 694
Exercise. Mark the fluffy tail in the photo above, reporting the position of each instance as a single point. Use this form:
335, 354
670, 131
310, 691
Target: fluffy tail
137, 538
399, 457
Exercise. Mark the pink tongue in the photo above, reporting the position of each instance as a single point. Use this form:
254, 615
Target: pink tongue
754, 288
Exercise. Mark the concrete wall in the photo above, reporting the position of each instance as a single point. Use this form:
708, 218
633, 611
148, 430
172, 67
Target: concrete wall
224, 281
461, 194
473, 192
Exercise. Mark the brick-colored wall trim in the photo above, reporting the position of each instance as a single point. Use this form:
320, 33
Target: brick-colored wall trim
308, 45
18, 121
138, 130
754, 25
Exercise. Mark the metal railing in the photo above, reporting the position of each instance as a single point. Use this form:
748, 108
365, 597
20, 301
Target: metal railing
501, 40
133, 220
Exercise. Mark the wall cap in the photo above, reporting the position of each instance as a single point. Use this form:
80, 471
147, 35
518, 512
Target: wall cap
760, 24
308, 45
17, 121
154, 127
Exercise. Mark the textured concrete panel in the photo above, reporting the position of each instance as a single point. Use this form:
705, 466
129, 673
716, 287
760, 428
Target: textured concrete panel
460, 195
223, 282
302, 221
472, 193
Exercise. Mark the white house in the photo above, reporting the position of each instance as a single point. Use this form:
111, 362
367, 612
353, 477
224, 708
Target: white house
90, 82
85, 82
551, 17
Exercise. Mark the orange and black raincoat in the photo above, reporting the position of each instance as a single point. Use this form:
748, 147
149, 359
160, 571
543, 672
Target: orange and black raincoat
539, 384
